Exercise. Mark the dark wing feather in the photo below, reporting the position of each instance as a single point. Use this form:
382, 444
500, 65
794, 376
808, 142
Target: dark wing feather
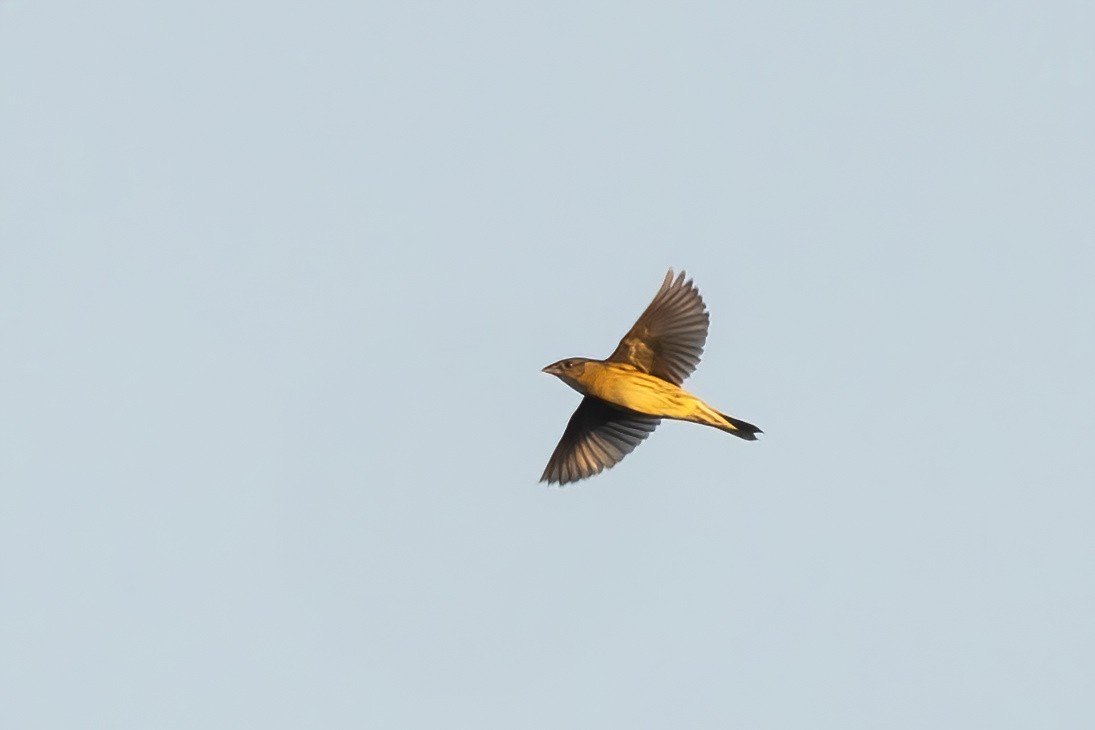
668, 338
596, 438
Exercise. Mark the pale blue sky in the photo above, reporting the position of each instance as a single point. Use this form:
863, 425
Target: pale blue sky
277, 280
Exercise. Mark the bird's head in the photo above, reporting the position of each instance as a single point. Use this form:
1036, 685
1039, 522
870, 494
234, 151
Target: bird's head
570, 371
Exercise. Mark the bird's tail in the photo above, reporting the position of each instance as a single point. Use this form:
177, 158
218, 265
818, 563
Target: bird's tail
740, 428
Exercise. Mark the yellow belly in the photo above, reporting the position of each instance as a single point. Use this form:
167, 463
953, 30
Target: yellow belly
628, 388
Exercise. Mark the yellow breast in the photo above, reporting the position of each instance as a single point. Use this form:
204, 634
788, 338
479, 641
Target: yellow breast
625, 386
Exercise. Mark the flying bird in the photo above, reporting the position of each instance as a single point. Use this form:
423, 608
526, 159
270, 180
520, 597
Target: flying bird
633, 389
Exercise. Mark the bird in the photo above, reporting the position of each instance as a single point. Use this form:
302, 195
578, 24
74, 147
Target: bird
627, 394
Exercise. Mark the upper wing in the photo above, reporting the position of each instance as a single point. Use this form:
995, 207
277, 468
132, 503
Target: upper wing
668, 338
596, 438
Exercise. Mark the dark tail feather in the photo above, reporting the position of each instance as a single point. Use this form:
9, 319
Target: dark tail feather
741, 429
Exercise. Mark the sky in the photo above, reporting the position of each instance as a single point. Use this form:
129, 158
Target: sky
277, 280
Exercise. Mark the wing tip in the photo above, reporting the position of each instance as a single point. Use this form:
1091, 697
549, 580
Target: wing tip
678, 280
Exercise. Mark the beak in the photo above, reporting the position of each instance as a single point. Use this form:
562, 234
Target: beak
552, 369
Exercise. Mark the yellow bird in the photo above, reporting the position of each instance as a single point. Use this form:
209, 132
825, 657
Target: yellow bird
627, 394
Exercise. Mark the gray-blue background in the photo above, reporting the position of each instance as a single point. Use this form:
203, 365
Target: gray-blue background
277, 280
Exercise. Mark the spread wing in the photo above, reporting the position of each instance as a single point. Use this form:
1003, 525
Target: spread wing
668, 338
596, 438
